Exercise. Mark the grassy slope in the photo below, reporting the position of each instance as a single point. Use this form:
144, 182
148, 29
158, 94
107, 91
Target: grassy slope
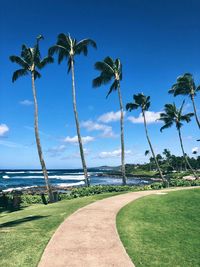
162, 230
25, 233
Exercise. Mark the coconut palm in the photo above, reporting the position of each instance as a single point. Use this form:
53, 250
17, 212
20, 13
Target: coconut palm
67, 48
111, 70
30, 62
143, 102
173, 115
185, 85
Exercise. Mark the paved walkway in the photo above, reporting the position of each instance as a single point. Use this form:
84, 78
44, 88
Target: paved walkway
89, 238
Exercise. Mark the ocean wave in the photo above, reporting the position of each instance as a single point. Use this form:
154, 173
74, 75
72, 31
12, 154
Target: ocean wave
69, 184
14, 172
27, 177
6, 177
18, 188
67, 177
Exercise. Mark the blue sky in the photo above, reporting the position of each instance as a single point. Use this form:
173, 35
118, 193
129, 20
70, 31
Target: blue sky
156, 42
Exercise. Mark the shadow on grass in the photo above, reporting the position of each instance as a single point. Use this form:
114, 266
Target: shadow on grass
10, 209
23, 220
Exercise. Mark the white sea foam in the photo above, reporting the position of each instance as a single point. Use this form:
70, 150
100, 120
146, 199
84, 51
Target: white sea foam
6, 177
67, 177
72, 184
18, 188
27, 177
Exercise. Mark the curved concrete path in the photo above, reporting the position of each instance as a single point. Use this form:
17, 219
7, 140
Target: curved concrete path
89, 238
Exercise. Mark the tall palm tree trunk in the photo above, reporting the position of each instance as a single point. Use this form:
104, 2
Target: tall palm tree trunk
151, 147
122, 136
184, 155
195, 111
39, 148
77, 126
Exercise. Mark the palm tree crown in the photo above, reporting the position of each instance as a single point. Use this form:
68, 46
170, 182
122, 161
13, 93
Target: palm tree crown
68, 47
173, 115
140, 100
184, 85
30, 61
110, 70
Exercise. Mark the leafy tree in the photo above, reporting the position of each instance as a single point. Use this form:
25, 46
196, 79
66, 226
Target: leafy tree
111, 70
30, 62
143, 102
67, 48
185, 85
173, 115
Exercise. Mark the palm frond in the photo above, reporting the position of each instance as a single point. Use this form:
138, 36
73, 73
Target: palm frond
64, 40
45, 61
187, 117
97, 82
81, 46
166, 126
108, 60
20, 61
56, 49
103, 79
69, 64
19, 73
131, 106
112, 88
104, 67
36, 74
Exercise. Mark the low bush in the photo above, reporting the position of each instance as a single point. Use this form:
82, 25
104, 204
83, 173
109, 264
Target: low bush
28, 199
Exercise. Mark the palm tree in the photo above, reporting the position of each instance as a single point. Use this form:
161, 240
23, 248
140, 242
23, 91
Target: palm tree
168, 157
30, 61
111, 70
185, 85
173, 115
143, 102
67, 48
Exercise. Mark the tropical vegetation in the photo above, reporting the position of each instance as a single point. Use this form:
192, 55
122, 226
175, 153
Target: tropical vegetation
67, 48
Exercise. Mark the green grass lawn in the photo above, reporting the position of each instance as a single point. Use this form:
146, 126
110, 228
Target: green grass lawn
162, 230
24, 234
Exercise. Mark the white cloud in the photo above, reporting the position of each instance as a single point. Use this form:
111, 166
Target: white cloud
26, 102
74, 140
93, 126
3, 129
110, 116
151, 117
113, 154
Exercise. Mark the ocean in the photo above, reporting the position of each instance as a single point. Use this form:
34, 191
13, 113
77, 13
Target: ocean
21, 179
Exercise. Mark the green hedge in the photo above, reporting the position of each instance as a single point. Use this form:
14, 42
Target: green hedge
27, 199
